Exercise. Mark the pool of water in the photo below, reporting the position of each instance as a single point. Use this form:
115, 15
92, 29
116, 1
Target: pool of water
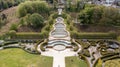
59, 47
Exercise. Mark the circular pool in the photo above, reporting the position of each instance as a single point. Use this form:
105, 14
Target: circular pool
59, 47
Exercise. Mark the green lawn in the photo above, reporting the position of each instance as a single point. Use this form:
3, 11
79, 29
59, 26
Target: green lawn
112, 63
18, 58
75, 62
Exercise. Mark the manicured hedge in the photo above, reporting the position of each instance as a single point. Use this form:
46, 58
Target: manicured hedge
83, 44
28, 35
43, 44
40, 41
76, 48
11, 42
93, 35
8, 43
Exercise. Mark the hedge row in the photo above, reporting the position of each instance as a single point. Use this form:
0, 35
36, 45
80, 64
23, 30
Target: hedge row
29, 35
76, 47
93, 35
8, 43
84, 45
31, 52
43, 44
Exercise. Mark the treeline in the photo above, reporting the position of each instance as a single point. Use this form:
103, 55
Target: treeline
4, 4
33, 13
34, 20
74, 6
101, 15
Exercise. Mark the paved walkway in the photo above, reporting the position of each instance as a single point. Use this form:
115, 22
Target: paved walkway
59, 56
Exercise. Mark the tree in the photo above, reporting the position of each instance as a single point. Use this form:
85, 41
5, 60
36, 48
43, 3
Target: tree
36, 20
21, 10
30, 7
5, 5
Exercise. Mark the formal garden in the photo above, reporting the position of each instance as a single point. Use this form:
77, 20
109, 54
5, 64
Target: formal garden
31, 28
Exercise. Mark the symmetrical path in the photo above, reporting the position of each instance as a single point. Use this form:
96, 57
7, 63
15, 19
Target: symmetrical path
59, 56
59, 39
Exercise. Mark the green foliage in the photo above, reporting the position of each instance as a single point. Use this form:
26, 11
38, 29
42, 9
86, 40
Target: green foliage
9, 42
11, 33
30, 35
14, 27
118, 38
36, 20
100, 15
43, 34
30, 7
85, 52
84, 45
93, 35
4, 4
74, 6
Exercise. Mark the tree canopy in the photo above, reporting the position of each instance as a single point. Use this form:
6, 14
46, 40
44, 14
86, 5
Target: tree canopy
30, 7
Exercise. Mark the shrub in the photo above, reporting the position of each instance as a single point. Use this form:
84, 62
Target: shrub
84, 45
86, 52
14, 27
11, 33
36, 20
